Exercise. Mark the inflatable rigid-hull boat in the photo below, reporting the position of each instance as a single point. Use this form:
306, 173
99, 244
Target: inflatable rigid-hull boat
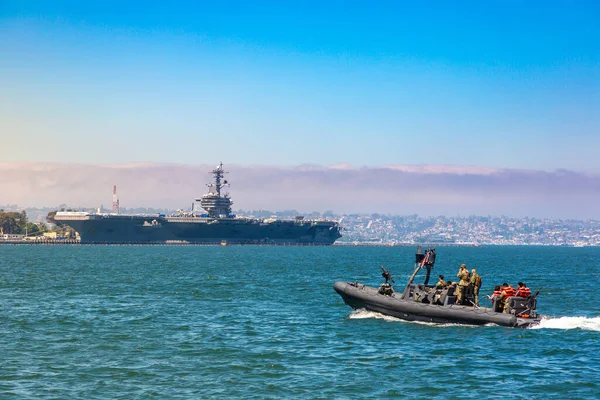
360, 296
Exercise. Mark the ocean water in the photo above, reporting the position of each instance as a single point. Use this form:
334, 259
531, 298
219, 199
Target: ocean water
136, 322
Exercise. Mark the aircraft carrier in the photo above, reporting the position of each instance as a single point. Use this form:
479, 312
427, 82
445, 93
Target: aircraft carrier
215, 225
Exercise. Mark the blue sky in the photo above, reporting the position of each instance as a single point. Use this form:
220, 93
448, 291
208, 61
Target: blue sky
505, 84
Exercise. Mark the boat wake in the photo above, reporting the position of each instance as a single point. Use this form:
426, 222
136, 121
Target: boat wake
365, 314
584, 323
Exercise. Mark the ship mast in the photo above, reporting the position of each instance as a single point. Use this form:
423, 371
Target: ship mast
218, 174
217, 206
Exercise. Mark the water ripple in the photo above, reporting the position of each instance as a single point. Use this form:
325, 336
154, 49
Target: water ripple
264, 323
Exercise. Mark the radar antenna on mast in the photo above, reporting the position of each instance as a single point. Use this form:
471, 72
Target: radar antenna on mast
215, 204
218, 173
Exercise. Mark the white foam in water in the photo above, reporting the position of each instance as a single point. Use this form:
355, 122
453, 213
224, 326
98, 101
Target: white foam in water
362, 314
588, 324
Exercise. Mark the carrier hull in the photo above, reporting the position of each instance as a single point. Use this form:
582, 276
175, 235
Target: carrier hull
132, 229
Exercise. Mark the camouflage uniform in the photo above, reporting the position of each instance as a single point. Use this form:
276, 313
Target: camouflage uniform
476, 282
441, 284
463, 274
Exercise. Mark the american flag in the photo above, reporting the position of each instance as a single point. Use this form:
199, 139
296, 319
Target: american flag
425, 259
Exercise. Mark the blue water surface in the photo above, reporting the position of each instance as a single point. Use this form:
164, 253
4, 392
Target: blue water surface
181, 322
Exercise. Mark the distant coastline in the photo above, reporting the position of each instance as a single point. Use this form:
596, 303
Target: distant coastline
74, 242
399, 230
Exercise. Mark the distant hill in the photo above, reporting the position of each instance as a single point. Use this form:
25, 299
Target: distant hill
397, 189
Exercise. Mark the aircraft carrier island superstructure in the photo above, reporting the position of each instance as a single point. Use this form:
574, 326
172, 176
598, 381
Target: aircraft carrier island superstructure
217, 225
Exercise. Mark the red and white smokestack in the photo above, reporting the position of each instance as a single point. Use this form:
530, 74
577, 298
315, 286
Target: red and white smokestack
115, 200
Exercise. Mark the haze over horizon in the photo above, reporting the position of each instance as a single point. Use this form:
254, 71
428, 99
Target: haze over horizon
428, 190
487, 108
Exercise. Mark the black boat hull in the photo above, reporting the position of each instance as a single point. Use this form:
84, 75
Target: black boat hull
360, 296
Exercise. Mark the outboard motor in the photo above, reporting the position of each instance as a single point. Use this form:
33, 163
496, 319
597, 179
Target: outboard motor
523, 307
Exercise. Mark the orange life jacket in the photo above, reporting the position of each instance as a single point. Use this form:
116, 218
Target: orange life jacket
496, 295
524, 292
509, 291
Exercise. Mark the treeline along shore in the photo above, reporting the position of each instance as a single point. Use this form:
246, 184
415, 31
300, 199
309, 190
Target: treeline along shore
15, 227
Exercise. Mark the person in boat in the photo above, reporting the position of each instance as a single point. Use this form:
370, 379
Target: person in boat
497, 293
463, 274
507, 292
441, 282
476, 283
497, 296
523, 290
